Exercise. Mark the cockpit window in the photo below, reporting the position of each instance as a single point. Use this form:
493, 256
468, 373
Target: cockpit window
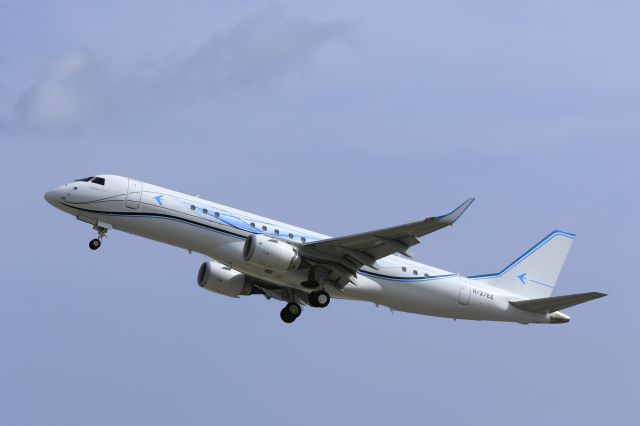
98, 180
84, 179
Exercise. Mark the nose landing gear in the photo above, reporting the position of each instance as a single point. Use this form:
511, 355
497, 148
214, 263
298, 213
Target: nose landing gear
97, 242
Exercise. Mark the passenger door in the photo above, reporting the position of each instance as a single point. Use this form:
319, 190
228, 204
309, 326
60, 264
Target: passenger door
134, 194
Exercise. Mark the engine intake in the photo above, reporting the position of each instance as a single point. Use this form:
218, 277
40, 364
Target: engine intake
270, 253
221, 279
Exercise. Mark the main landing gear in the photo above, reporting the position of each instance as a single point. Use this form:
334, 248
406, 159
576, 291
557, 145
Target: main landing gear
290, 312
317, 299
311, 282
97, 242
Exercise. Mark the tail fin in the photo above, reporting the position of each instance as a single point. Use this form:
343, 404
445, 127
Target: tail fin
534, 274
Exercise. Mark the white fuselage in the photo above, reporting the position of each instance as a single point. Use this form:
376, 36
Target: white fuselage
220, 232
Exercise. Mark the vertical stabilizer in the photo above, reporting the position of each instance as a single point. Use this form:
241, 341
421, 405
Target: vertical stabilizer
534, 274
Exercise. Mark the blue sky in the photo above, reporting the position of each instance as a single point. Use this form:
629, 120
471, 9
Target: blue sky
335, 116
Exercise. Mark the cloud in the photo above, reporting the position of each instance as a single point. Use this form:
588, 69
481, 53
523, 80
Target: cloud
259, 50
69, 94
74, 90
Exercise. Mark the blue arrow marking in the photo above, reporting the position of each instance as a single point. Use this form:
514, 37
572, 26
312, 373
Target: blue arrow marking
521, 277
159, 199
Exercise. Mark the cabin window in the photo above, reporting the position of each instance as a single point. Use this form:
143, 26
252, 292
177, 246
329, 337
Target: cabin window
217, 214
193, 207
98, 180
253, 224
264, 228
404, 269
415, 272
277, 231
303, 239
291, 236
426, 275
205, 211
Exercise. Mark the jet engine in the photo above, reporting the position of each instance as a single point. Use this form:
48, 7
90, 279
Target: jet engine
216, 277
270, 253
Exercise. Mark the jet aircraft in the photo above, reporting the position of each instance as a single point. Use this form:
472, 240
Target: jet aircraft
255, 255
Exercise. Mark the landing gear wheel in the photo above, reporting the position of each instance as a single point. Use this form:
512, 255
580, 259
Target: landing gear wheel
319, 299
290, 312
97, 242
284, 315
293, 309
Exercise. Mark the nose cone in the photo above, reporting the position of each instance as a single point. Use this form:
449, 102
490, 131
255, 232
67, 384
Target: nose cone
49, 196
53, 197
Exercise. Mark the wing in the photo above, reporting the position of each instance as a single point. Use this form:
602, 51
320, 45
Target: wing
346, 255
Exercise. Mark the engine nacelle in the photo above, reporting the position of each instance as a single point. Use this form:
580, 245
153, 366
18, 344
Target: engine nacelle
269, 253
216, 277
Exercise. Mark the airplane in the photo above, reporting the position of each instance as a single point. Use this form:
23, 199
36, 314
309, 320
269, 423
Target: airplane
255, 255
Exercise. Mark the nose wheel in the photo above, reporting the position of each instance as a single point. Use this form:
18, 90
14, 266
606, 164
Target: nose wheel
290, 312
97, 242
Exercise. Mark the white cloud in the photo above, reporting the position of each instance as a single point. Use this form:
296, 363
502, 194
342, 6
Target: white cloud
261, 49
69, 94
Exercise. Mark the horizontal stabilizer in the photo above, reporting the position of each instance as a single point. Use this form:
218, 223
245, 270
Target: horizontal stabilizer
551, 304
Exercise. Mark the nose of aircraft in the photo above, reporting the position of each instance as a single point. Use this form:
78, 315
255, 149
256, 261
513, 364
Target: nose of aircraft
53, 196
49, 196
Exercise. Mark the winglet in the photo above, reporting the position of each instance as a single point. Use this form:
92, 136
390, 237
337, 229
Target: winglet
450, 218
